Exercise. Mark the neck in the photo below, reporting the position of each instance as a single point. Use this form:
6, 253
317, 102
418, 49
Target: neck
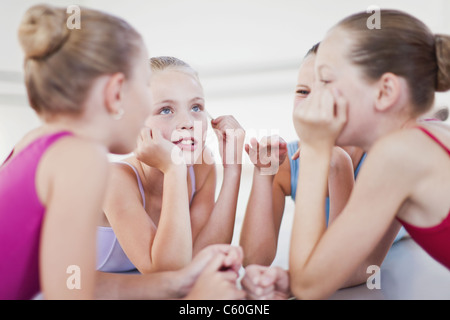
387, 125
79, 126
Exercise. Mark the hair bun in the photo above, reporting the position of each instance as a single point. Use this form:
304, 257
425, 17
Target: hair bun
42, 31
442, 43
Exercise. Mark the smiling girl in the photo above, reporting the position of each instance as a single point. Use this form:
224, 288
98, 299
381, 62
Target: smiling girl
160, 209
374, 86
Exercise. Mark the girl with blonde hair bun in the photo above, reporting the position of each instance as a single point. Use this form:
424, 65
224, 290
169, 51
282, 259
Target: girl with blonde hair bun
89, 87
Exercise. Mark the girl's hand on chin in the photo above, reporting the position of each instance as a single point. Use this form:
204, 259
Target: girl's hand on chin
320, 118
156, 151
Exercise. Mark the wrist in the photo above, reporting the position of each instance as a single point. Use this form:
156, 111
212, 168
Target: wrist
178, 285
174, 169
318, 149
233, 168
267, 171
263, 174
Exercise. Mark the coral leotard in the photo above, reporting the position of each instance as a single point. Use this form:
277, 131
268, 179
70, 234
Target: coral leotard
436, 239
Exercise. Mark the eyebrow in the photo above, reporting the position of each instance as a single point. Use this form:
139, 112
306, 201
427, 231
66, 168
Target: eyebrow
166, 101
323, 66
197, 98
174, 102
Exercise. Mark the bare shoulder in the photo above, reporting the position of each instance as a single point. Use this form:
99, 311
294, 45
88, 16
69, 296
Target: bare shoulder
72, 154
409, 148
122, 171
123, 185
402, 147
72, 163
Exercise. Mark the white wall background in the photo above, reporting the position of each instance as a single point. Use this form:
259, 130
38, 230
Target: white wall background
246, 51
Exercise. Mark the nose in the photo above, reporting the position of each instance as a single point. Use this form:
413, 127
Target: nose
185, 121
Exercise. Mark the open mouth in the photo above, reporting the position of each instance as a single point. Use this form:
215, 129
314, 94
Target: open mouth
186, 143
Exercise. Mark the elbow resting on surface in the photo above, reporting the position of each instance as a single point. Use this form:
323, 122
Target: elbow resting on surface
304, 289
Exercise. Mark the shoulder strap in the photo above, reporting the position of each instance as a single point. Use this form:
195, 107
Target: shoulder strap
432, 136
141, 188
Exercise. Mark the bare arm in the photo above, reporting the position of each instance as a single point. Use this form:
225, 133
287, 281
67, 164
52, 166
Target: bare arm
178, 284
76, 176
168, 247
260, 229
261, 226
362, 224
213, 223
340, 182
340, 186
216, 225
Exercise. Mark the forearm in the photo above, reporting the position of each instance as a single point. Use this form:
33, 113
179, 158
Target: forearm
172, 245
375, 258
154, 286
220, 225
309, 220
258, 235
340, 182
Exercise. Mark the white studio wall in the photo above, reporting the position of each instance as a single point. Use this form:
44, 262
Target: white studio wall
246, 52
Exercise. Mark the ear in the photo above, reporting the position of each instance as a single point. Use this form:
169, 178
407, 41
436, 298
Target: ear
114, 93
388, 92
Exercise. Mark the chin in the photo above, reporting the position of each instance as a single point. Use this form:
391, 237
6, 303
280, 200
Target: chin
120, 150
192, 157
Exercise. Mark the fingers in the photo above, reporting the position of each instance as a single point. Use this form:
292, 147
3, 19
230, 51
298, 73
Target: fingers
225, 122
233, 256
296, 154
267, 154
341, 107
216, 263
255, 285
233, 260
262, 282
247, 148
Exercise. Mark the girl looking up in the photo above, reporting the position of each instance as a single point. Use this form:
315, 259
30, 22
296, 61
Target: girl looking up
160, 209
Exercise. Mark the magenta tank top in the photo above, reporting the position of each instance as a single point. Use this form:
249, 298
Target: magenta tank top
21, 216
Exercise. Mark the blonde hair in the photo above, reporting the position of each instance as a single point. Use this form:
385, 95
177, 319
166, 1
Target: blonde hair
171, 63
61, 64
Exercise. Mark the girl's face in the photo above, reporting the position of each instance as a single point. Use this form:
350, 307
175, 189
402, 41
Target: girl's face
334, 70
305, 79
178, 111
136, 105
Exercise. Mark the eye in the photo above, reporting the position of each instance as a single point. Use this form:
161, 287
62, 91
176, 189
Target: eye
165, 111
197, 108
303, 92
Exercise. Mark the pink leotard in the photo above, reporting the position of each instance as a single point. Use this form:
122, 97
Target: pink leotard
436, 239
21, 216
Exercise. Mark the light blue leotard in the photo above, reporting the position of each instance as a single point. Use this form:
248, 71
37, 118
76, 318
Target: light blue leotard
292, 148
110, 255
